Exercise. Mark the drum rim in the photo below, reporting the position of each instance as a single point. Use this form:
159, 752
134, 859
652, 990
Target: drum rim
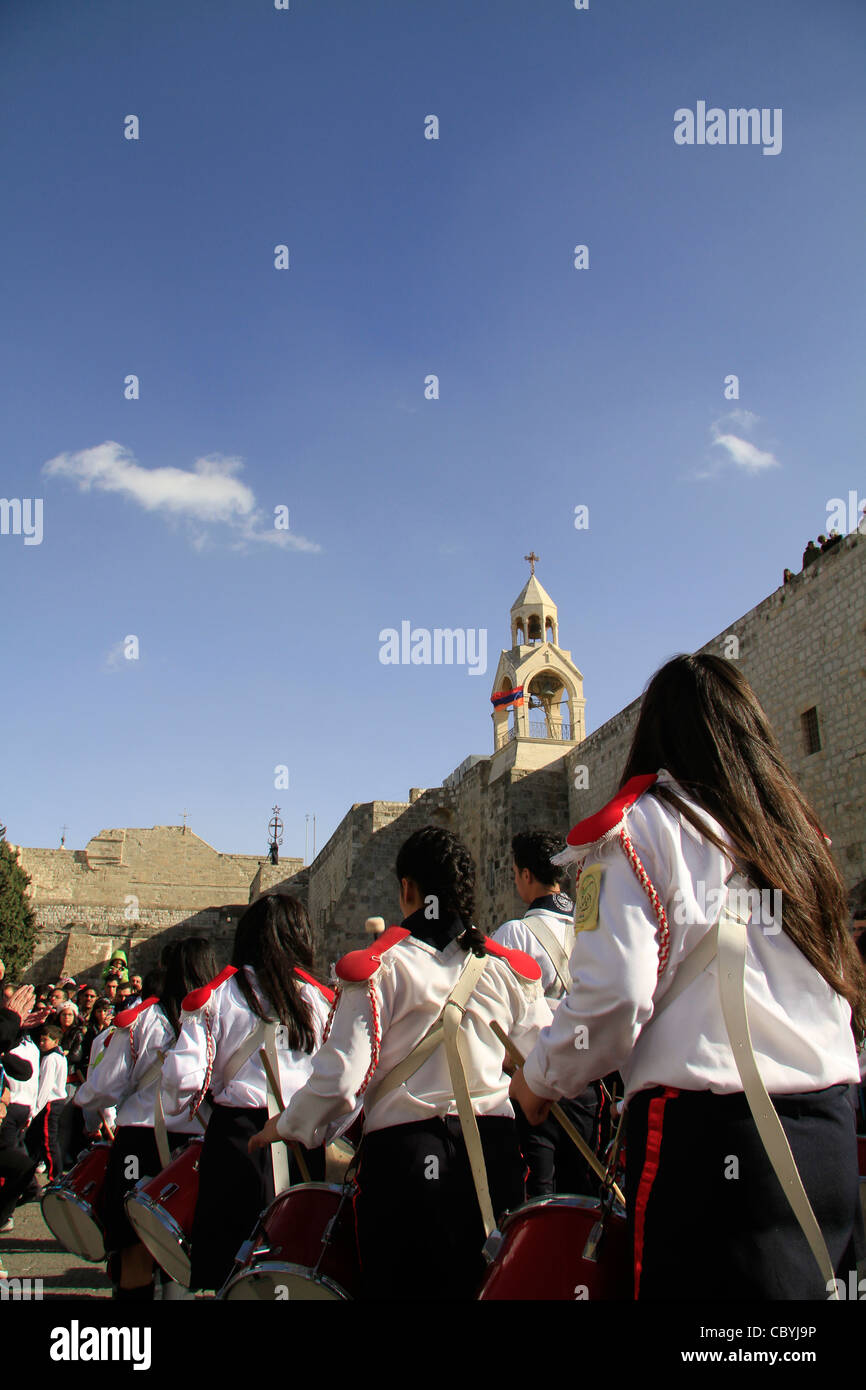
560, 1200
59, 1190
302, 1271
165, 1219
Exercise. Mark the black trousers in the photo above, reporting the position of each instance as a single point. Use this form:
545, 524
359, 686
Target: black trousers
417, 1218
234, 1187
708, 1216
43, 1138
554, 1163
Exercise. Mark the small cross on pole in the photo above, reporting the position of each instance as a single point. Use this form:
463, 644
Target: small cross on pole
533, 561
63, 830
185, 814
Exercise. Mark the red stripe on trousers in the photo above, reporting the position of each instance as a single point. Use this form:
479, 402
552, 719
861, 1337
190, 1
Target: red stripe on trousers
655, 1122
49, 1165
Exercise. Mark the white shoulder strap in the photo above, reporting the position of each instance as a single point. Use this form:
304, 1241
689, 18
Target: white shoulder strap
243, 1054
447, 1029
727, 939
549, 942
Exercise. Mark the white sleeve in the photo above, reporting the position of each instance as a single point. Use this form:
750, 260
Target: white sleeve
49, 1077
339, 1069
614, 968
186, 1071
534, 1015
109, 1078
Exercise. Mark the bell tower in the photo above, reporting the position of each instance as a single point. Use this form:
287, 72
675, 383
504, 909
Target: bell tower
538, 703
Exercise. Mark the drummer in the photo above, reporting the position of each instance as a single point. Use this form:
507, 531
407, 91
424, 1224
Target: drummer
545, 932
706, 790
121, 1076
270, 981
418, 1210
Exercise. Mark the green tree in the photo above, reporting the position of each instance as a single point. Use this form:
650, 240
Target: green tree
17, 922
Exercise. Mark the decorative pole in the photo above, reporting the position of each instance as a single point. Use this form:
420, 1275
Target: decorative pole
275, 829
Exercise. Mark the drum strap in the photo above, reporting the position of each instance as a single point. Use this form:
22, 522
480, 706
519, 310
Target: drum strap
243, 1054
547, 939
727, 939
279, 1152
447, 1029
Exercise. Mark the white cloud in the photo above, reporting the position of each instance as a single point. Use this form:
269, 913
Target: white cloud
210, 493
745, 454
727, 433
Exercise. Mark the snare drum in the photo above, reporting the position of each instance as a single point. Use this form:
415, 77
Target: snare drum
302, 1249
555, 1248
161, 1209
71, 1206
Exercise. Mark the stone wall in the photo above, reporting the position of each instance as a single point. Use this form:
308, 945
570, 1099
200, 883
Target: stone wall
803, 647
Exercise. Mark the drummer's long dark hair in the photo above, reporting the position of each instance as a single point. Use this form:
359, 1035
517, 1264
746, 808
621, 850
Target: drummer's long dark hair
189, 964
441, 867
273, 936
701, 720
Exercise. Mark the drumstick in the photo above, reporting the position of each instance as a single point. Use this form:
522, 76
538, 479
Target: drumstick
274, 1083
559, 1114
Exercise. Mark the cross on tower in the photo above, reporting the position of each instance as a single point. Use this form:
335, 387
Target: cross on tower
185, 814
533, 560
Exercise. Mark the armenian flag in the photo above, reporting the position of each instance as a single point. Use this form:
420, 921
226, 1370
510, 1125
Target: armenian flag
499, 698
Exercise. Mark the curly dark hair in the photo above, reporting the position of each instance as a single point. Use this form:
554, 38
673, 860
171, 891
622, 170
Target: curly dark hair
273, 936
534, 849
441, 867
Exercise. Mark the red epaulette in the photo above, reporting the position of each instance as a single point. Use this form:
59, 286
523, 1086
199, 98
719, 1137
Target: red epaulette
611, 816
362, 965
523, 965
126, 1017
311, 980
198, 997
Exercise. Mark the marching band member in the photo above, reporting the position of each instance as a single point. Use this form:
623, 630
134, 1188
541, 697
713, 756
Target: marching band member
269, 980
120, 1076
545, 932
417, 1211
708, 1215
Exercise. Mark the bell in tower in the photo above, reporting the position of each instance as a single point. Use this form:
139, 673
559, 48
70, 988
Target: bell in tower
538, 704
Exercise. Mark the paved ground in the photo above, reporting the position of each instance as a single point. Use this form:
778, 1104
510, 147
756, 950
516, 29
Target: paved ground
31, 1252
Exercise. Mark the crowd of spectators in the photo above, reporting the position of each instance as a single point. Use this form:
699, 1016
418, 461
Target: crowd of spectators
47, 1041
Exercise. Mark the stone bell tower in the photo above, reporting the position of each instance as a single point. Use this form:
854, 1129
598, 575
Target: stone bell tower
545, 718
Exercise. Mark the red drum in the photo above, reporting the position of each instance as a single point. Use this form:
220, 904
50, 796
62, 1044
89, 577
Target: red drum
553, 1248
302, 1249
71, 1206
161, 1209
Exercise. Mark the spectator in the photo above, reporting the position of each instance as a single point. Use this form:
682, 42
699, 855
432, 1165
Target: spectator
87, 997
135, 981
125, 996
787, 576
118, 968
57, 997
42, 1138
111, 990
810, 554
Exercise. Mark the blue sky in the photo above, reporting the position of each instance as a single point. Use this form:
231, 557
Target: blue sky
305, 387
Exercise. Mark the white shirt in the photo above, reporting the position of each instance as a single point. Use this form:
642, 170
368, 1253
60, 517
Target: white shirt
25, 1092
410, 988
52, 1079
228, 1018
117, 1069
518, 936
800, 1027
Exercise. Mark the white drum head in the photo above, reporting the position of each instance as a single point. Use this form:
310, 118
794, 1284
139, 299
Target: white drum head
163, 1237
72, 1222
277, 1283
